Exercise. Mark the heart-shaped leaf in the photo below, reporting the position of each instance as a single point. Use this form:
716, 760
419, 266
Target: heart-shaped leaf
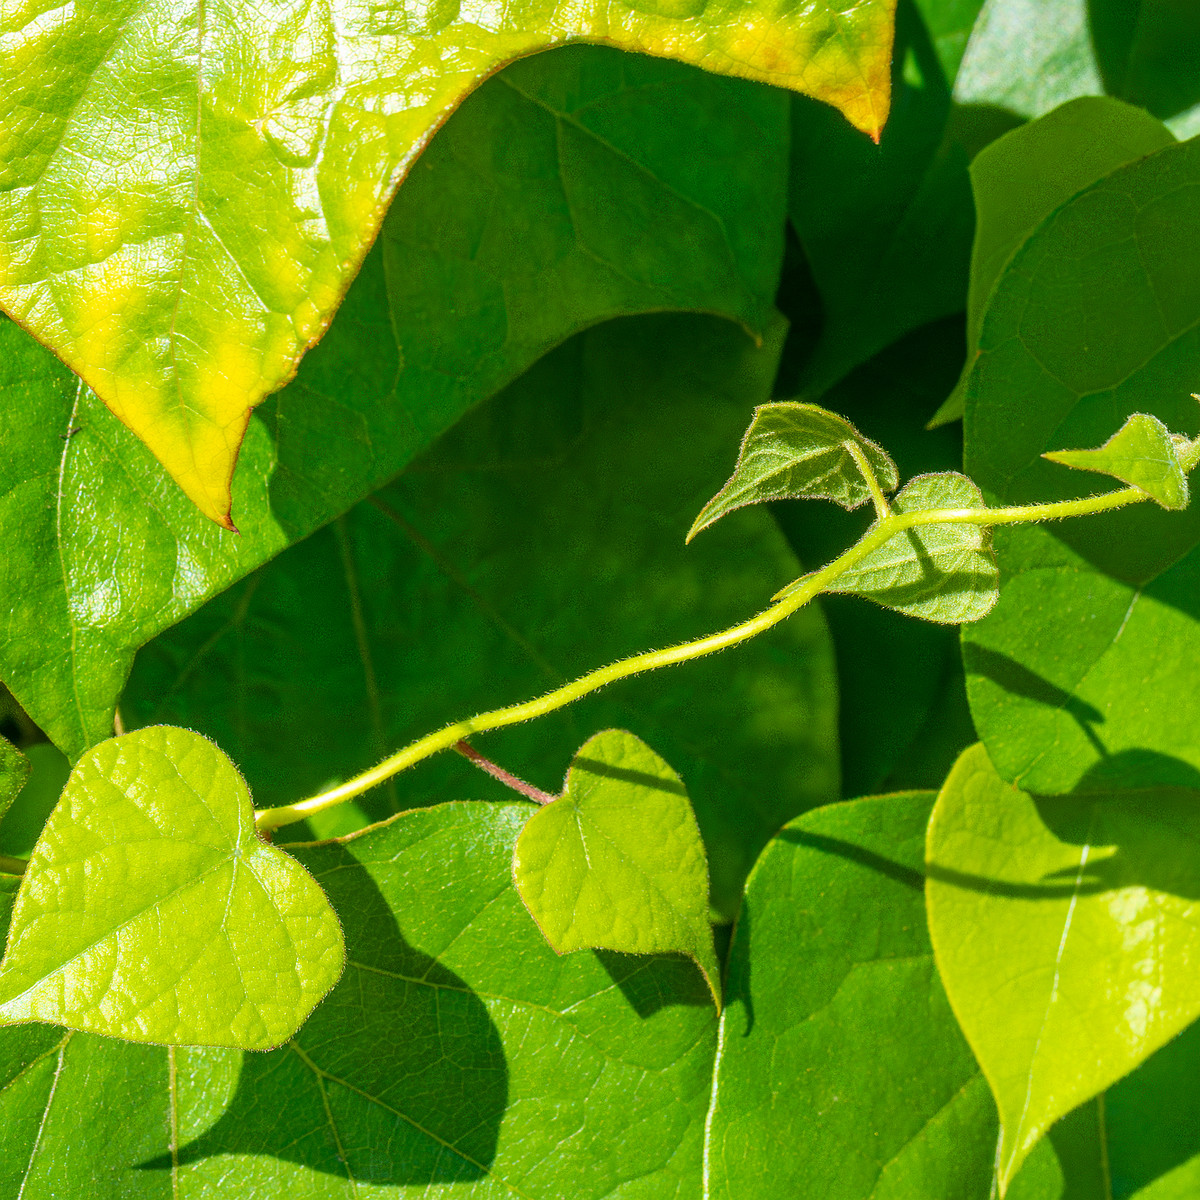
799, 451
616, 862
185, 206
1067, 934
1143, 453
152, 911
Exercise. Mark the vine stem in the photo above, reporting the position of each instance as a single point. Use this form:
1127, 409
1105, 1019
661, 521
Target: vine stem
805, 589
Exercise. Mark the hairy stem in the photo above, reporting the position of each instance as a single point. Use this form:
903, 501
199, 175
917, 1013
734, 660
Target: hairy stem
883, 509
804, 590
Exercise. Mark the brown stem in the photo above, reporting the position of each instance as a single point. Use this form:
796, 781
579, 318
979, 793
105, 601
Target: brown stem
518, 785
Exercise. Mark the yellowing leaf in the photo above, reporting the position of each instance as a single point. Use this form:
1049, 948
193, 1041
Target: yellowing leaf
185, 194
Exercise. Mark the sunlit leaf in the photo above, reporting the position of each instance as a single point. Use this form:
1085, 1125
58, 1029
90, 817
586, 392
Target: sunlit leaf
1067, 935
616, 862
796, 451
152, 911
187, 194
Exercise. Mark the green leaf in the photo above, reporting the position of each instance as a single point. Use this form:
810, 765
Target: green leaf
540, 539
950, 23
1029, 56
841, 1072
152, 911
1066, 932
1096, 318
798, 451
886, 229
14, 771
459, 1055
1141, 453
616, 862
903, 711
102, 550
945, 573
1021, 178
186, 305
21, 826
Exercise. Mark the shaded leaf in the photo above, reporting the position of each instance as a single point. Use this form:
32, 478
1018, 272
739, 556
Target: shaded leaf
945, 573
798, 451
1066, 932
950, 23
616, 862
102, 550
886, 229
1142, 454
831, 951
184, 285
1021, 178
458, 1055
21, 826
1093, 320
14, 771
540, 539
152, 911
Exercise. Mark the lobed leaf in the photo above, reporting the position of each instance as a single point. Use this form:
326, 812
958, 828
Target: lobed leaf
1070, 681
1142, 453
944, 573
564, 153
616, 862
185, 214
151, 910
1067, 934
458, 1055
794, 451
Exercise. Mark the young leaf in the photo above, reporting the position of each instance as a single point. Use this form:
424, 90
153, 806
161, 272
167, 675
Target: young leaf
1067, 935
1094, 319
458, 1056
616, 862
841, 1072
563, 153
1141, 453
152, 911
268, 186
794, 451
14, 771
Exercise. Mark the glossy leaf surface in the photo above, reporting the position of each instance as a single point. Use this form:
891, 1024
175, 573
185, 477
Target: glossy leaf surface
563, 154
1089, 606
1066, 931
1142, 454
186, 214
152, 911
540, 539
616, 862
840, 1068
458, 1056
1021, 178
798, 451
944, 573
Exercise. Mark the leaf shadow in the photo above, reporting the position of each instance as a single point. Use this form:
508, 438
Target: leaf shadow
641, 778
398, 1078
654, 982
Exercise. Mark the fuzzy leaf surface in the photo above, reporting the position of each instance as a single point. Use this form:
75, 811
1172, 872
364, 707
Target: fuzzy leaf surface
104, 552
944, 573
184, 214
1141, 453
458, 1056
616, 862
151, 910
1084, 673
1067, 935
1022, 177
542, 538
798, 451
